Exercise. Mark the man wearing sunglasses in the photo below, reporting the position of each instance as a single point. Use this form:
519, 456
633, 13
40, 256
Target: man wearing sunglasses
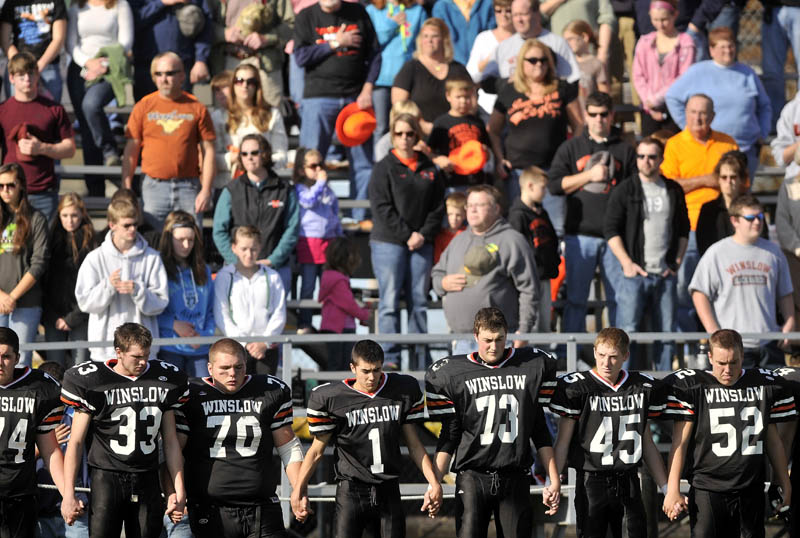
738, 282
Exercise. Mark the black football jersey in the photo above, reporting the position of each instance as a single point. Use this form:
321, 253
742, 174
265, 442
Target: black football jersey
229, 447
726, 451
498, 407
366, 428
789, 377
126, 411
29, 406
611, 419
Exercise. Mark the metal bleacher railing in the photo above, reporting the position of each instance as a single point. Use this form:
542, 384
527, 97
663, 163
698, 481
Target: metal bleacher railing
413, 492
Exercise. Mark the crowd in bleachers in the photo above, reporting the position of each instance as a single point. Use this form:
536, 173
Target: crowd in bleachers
483, 134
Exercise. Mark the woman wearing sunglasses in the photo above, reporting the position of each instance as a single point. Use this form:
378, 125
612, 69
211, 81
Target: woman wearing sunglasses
247, 113
537, 107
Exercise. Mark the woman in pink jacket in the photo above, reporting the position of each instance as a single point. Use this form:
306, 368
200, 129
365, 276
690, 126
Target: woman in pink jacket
660, 58
339, 307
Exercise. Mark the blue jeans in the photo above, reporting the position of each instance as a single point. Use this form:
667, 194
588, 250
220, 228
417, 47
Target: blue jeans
752, 159
285, 273
161, 196
297, 82
79, 529
309, 272
685, 313
24, 322
700, 45
382, 103
400, 270
729, 17
50, 78
192, 365
464, 347
54, 527
582, 255
655, 294
777, 35
51, 334
96, 136
46, 202
318, 118
179, 530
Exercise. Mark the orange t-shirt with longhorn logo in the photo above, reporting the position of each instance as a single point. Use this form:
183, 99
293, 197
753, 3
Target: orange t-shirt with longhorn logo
170, 131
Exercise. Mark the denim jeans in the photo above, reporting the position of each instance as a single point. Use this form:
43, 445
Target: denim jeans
192, 365
700, 45
685, 315
24, 322
399, 270
46, 202
655, 294
309, 272
464, 347
297, 82
50, 78
318, 118
382, 103
161, 196
51, 334
179, 530
582, 255
728, 17
753, 159
777, 35
79, 529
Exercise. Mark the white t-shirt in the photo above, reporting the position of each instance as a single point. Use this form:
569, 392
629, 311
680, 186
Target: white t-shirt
505, 57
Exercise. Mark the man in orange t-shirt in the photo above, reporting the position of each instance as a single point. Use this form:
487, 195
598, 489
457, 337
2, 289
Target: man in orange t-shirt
166, 127
689, 158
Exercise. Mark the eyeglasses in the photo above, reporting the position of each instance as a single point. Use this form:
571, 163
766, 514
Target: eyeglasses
166, 73
405, 134
314, 166
254, 153
128, 226
8, 186
751, 218
253, 82
648, 156
603, 114
536, 60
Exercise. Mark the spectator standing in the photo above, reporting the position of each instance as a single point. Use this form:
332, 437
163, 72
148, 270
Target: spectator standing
488, 264
455, 208
586, 169
537, 107
336, 44
465, 20
319, 224
250, 301
24, 256
484, 46
36, 133
247, 113
785, 144
695, 17
787, 224
183, 27
406, 196
688, 158
529, 217
397, 25
190, 311
647, 228
339, 307
40, 29
779, 32
598, 13
166, 127
422, 80
742, 108
661, 57
594, 73
262, 199
714, 222
72, 238
120, 281
95, 26
738, 282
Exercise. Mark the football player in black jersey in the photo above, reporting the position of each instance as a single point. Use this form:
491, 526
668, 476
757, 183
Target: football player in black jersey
789, 377
30, 410
604, 434
230, 477
365, 417
125, 403
490, 403
725, 422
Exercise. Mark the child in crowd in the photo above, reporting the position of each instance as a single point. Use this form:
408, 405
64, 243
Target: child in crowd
529, 218
594, 76
339, 307
145, 229
72, 238
190, 311
384, 144
319, 223
120, 281
456, 207
250, 301
459, 125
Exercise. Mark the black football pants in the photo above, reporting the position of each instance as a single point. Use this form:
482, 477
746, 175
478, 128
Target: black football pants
259, 521
609, 501
18, 517
504, 494
731, 514
374, 509
130, 499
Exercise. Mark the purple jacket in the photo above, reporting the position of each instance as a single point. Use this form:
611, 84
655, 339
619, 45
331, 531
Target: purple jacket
338, 304
651, 79
319, 211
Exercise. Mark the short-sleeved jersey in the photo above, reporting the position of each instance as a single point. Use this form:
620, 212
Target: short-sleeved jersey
29, 405
366, 428
229, 447
611, 419
726, 450
498, 407
126, 411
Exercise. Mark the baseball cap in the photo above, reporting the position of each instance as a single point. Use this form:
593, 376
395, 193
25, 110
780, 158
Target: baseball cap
480, 260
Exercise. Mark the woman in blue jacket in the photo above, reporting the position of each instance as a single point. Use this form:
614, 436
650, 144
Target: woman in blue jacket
190, 311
